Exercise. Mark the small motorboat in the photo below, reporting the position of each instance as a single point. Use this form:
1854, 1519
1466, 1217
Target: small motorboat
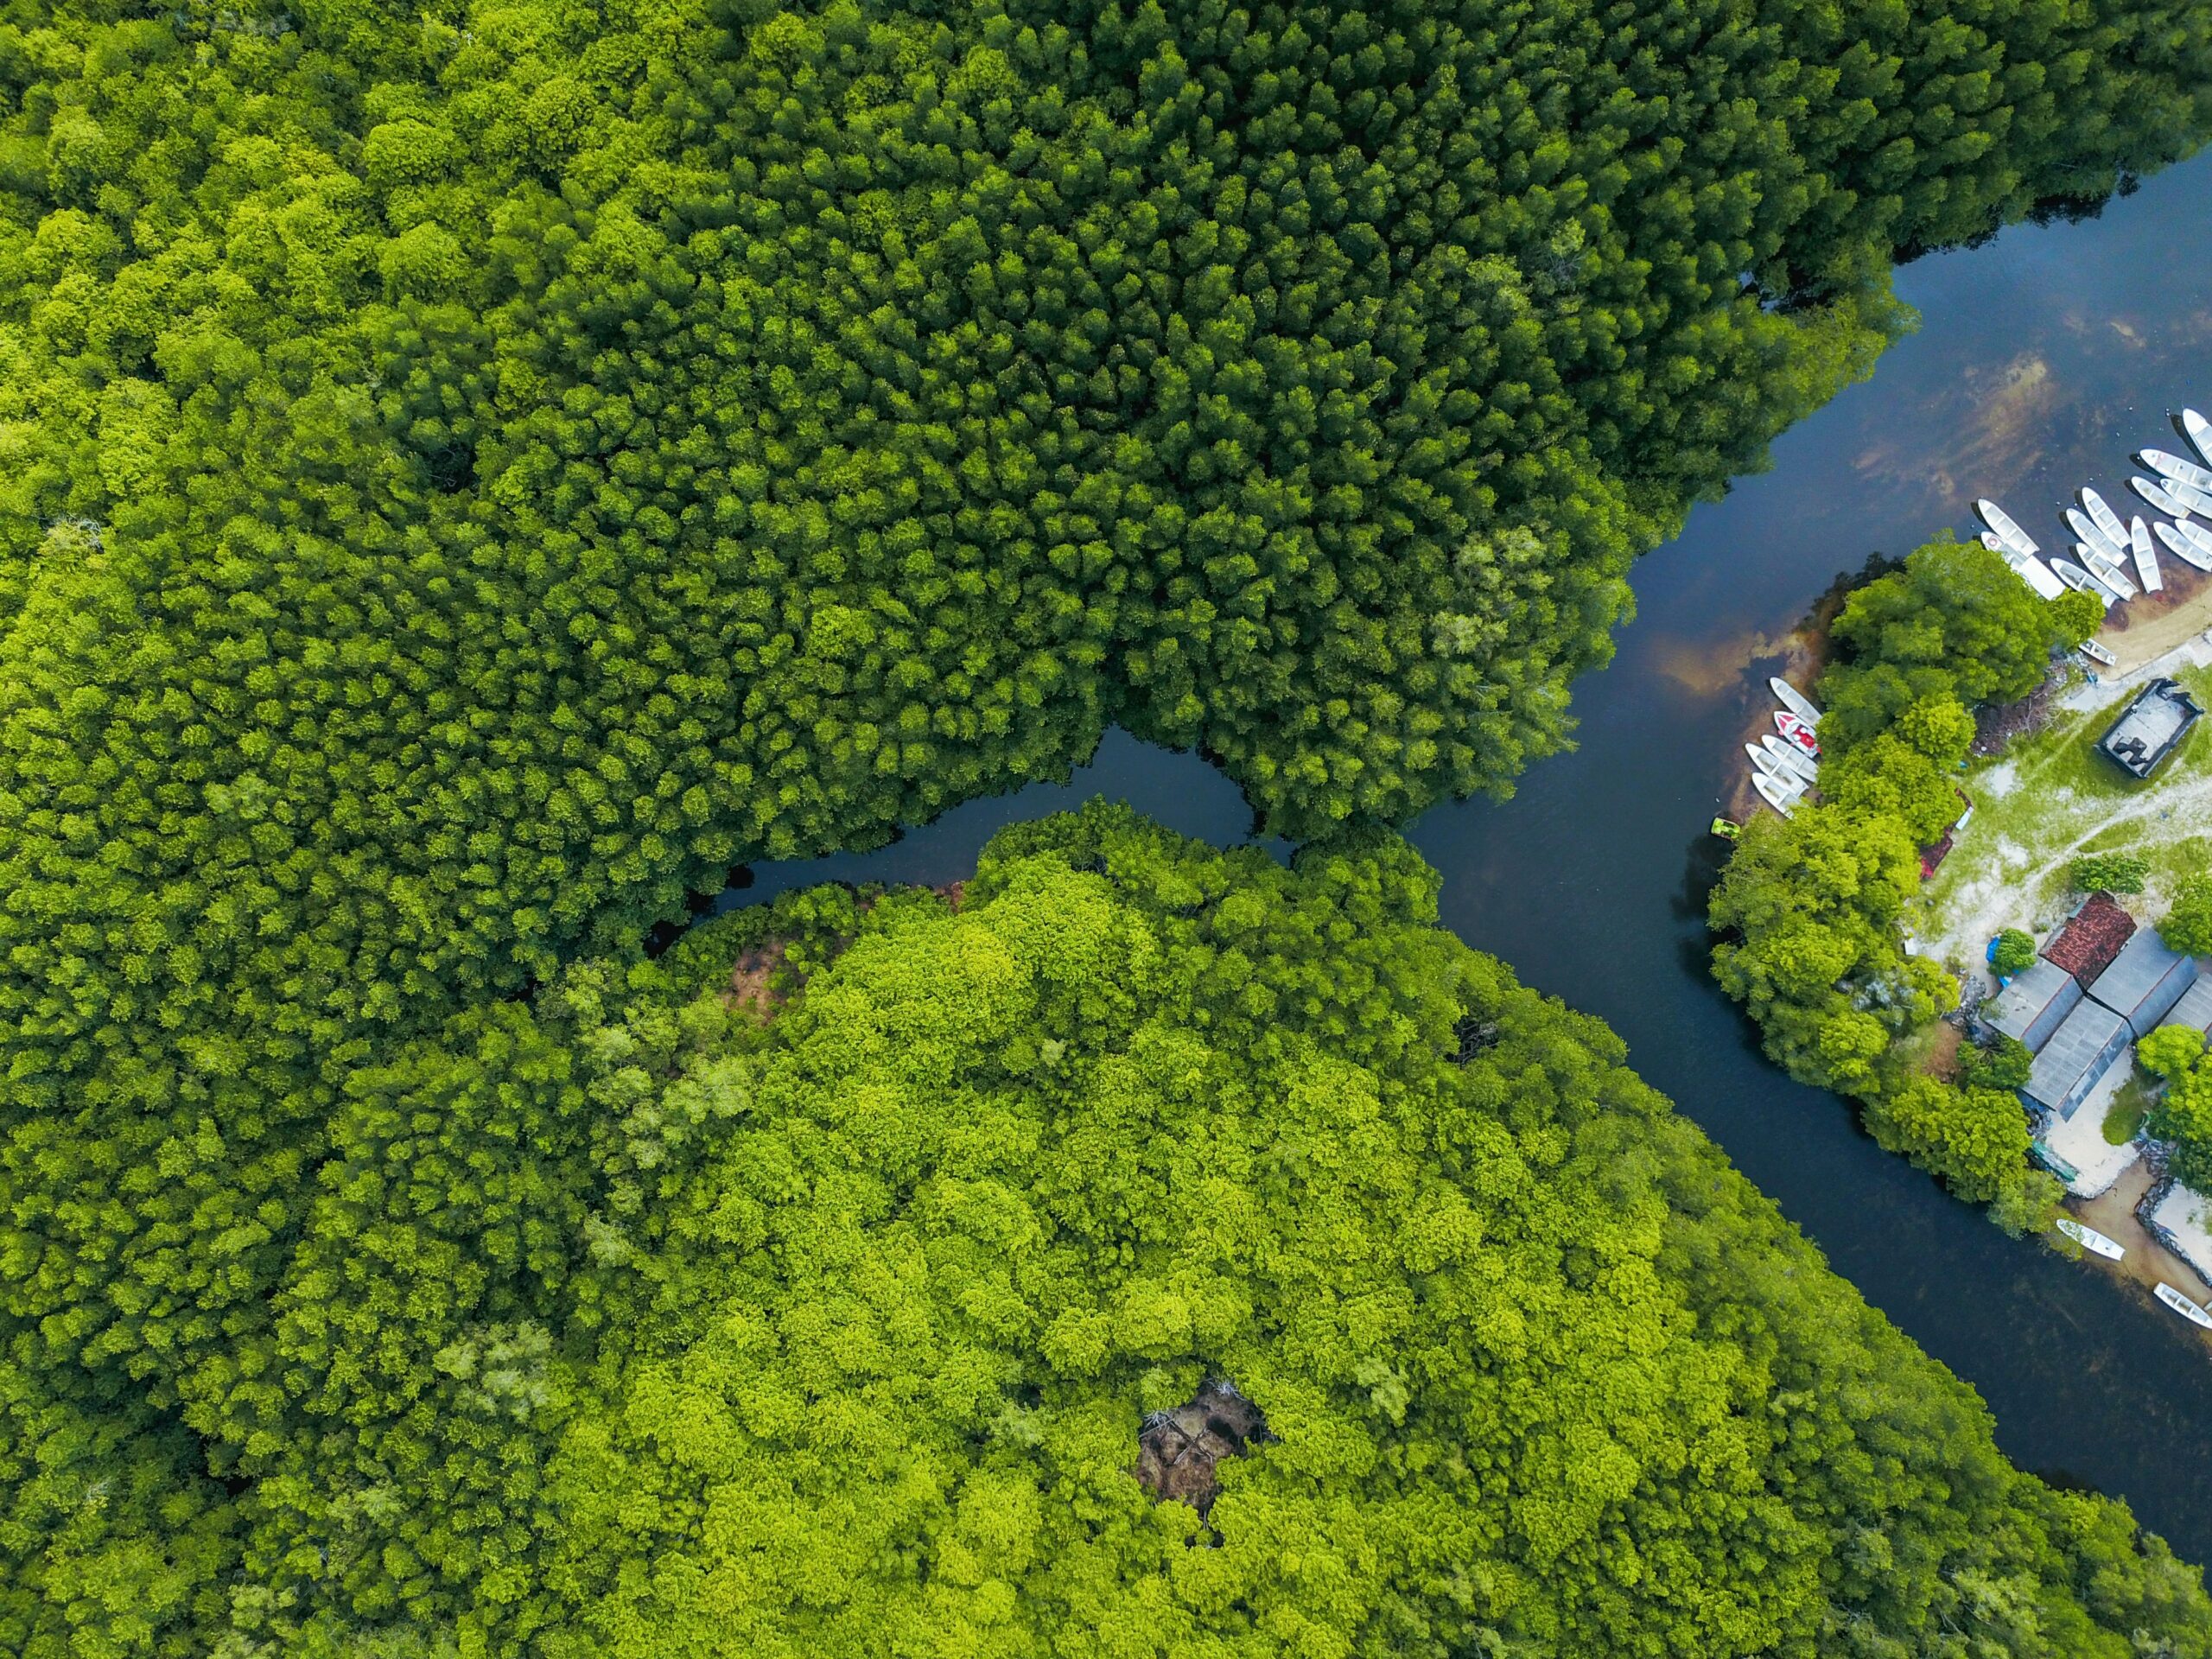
2086, 528
2097, 653
2183, 1305
2199, 432
2146, 556
1781, 800
2008, 533
1796, 732
2177, 467
1794, 700
2083, 583
2105, 518
2090, 1239
2160, 497
2188, 543
1793, 762
2106, 569
2037, 576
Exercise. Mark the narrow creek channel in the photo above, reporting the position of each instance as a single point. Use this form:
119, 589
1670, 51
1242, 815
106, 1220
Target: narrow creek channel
2044, 358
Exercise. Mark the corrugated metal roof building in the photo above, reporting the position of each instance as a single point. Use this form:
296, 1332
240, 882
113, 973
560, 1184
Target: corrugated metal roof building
2145, 980
2085, 1045
2194, 1008
2035, 1004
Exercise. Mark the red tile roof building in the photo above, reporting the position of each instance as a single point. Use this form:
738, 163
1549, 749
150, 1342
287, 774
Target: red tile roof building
2087, 944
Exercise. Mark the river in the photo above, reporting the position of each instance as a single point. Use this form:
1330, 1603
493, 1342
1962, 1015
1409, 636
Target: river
2044, 358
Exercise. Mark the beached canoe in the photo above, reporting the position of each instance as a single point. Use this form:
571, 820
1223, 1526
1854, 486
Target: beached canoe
2187, 543
2177, 466
2090, 1239
2183, 1305
2147, 555
2097, 653
2190, 499
1774, 794
2105, 518
2007, 530
2083, 583
2086, 531
2106, 569
2157, 495
1794, 700
1795, 762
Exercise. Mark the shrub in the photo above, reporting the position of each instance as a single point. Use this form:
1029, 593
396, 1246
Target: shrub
2015, 952
2111, 872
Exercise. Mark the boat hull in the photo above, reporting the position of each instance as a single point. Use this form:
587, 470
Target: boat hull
2199, 432
2006, 529
2086, 528
2183, 1305
2090, 1239
2177, 466
1796, 732
2082, 581
2146, 556
1781, 800
1789, 761
2106, 569
2157, 495
2187, 543
1794, 700
2105, 518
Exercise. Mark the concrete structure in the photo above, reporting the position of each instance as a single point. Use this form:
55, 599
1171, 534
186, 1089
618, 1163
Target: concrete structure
2034, 1005
2151, 728
2194, 1008
2145, 980
2075, 1058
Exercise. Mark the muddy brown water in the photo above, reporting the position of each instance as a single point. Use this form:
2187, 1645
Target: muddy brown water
2045, 357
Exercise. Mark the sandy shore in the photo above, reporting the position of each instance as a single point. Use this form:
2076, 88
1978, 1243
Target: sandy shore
2153, 624
2149, 1262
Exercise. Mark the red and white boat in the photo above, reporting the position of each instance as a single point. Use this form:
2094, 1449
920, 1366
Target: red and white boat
1796, 732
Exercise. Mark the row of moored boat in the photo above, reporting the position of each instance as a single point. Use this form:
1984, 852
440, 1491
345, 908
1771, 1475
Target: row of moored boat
1786, 762
2113, 561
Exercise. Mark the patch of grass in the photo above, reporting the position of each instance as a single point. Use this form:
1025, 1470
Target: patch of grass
2050, 799
2131, 1103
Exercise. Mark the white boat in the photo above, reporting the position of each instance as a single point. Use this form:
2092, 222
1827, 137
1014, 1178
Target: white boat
1774, 794
2105, 518
2037, 576
2008, 533
2106, 569
1794, 700
1796, 732
2174, 467
2183, 1305
2090, 1239
2158, 496
2191, 543
2200, 434
1789, 760
2086, 528
2082, 581
2147, 555
2189, 500
2097, 653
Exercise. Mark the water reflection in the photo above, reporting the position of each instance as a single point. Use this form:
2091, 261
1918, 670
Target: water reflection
2044, 358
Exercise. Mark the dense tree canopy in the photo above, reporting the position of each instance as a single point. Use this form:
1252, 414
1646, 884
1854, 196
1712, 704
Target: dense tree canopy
630, 1325
476, 471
